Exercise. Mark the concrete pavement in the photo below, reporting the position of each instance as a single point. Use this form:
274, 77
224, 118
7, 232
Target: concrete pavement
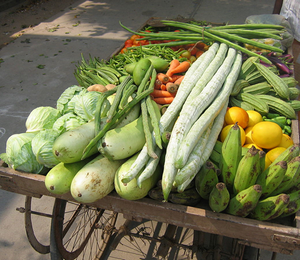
91, 28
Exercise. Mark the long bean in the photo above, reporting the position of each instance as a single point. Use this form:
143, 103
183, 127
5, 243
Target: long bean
114, 119
147, 131
127, 93
127, 81
154, 122
99, 106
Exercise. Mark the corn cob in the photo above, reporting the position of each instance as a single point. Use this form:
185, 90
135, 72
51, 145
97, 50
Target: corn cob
279, 106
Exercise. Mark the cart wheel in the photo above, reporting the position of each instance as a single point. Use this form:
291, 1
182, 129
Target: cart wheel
39, 247
150, 240
79, 231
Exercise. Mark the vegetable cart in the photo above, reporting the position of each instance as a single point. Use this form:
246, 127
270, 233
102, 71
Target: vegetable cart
114, 227
98, 220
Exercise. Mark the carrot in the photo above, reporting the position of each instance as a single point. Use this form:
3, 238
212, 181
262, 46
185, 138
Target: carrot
173, 78
161, 93
172, 87
183, 67
157, 84
163, 87
162, 77
173, 64
163, 100
179, 80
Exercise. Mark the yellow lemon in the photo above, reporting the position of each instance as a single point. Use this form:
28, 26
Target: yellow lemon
226, 130
267, 162
248, 133
274, 153
286, 141
254, 117
266, 135
249, 145
236, 115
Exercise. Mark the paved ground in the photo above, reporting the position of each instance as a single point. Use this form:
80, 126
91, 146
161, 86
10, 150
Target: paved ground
87, 27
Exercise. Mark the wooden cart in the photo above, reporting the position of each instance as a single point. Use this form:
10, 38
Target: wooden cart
92, 229
191, 223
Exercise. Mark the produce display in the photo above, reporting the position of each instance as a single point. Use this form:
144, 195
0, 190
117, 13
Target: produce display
184, 113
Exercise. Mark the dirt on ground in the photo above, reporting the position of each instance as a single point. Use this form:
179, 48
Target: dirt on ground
16, 20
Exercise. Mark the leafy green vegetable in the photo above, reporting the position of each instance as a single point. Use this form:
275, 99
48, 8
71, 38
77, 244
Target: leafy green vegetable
42, 118
85, 105
42, 144
63, 103
67, 122
19, 155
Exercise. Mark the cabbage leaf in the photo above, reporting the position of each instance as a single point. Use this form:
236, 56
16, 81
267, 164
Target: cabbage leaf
41, 118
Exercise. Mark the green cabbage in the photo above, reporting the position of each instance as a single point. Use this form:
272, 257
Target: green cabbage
85, 105
42, 147
63, 103
19, 154
67, 122
41, 118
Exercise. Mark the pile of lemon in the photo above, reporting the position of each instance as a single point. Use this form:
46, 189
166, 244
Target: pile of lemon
264, 135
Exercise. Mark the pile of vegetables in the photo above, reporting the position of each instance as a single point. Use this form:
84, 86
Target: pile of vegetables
146, 121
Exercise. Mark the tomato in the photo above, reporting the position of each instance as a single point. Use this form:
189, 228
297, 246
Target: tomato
129, 41
193, 50
200, 45
135, 36
123, 50
186, 54
199, 53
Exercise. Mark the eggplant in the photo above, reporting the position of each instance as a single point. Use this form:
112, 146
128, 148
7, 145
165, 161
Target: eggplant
284, 69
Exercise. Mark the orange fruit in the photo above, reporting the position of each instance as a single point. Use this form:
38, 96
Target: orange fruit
248, 133
274, 153
267, 162
266, 135
237, 114
254, 117
226, 130
249, 145
286, 141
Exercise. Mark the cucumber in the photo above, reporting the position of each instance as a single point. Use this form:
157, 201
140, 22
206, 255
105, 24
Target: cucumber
131, 190
95, 180
58, 180
123, 142
140, 70
69, 146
